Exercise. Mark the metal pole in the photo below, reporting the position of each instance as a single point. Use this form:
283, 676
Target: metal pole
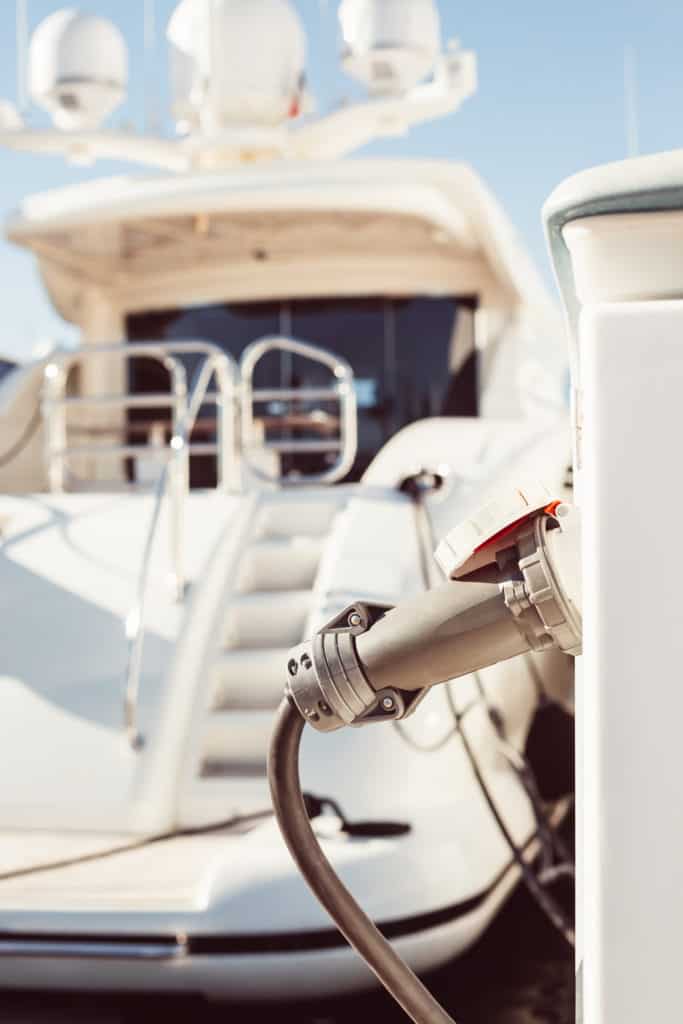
212, 98
22, 55
180, 474
225, 431
54, 415
631, 101
149, 69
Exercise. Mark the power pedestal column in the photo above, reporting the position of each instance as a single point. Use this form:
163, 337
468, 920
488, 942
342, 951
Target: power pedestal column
618, 246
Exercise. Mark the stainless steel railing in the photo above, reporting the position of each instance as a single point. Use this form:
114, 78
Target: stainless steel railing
341, 392
233, 388
56, 404
174, 479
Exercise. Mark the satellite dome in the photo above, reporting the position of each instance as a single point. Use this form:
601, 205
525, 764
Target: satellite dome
235, 62
390, 45
78, 69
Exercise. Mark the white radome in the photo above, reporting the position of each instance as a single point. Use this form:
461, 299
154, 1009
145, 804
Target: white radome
390, 45
235, 62
78, 69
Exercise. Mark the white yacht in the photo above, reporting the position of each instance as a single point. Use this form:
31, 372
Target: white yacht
297, 370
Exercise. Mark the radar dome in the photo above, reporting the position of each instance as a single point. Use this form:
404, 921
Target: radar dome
390, 45
235, 62
78, 69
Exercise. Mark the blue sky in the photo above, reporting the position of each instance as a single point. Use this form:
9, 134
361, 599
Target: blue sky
550, 102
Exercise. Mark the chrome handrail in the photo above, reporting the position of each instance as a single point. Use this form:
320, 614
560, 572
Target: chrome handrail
56, 403
175, 476
231, 387
342, 392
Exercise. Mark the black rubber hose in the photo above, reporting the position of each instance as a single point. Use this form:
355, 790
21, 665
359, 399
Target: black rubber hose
353, 923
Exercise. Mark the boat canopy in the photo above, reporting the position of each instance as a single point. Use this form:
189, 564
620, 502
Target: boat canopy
356, 227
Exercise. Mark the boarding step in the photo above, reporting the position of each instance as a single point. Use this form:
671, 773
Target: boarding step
266, 619
250, 680
311, 516
237, 737
280, 563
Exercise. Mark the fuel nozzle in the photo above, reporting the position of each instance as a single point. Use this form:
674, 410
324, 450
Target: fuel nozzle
514, 586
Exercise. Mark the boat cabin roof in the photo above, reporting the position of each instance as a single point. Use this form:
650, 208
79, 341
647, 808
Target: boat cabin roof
288, 230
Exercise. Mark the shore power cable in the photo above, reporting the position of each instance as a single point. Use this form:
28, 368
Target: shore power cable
518, 591
353, 923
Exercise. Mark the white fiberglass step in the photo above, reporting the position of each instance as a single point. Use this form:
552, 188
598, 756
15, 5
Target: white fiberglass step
250, 679
280, 563
237, 737
296, 516
267, 619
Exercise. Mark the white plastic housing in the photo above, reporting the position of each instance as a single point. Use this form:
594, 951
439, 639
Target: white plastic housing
235, 62
608, 256
78, 69
390, 45
631, 700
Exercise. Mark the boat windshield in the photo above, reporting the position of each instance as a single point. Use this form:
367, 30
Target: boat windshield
412, 358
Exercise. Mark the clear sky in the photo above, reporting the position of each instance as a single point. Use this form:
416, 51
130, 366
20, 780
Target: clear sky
550, 102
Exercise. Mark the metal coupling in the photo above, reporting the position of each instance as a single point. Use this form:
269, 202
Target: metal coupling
326, 681
542, 600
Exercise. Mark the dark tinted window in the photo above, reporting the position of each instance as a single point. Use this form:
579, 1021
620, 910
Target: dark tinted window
5, 367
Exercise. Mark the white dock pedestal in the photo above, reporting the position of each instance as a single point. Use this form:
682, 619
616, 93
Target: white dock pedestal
632, 676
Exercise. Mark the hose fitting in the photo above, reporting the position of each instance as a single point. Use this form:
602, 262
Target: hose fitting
327, 681
517, 592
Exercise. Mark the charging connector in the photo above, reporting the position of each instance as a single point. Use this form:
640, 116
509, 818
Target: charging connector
517, 592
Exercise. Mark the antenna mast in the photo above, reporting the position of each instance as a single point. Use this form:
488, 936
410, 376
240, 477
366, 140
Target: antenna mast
150, 37
631, 101
22, 55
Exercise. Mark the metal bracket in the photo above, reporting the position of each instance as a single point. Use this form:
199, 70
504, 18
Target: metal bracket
537, 602
391, 705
